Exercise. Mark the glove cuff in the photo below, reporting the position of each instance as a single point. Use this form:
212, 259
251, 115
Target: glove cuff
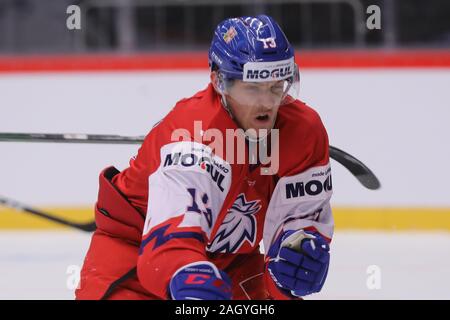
202, 277
276, 292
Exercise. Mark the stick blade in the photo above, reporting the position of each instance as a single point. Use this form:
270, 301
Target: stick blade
364, 175
88, 227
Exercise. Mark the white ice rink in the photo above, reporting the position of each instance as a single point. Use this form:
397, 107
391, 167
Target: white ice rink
41, 265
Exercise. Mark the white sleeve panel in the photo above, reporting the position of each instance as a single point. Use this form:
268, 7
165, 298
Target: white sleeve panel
190, 181
299, 202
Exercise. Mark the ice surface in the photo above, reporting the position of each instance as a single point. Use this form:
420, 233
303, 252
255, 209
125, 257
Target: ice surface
34, 265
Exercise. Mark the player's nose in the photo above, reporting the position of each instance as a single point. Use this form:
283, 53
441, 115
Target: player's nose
266, 103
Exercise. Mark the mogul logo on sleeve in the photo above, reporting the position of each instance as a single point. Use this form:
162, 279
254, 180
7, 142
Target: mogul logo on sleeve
266, 71
312, 188
314, 183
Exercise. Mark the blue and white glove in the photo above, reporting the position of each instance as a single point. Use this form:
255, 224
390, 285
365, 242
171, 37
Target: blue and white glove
298, 262
200, 281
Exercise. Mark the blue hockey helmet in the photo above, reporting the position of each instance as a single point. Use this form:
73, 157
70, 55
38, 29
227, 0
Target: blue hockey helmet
254, 49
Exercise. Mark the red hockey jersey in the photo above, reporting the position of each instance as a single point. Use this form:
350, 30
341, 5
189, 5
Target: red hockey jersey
201, 204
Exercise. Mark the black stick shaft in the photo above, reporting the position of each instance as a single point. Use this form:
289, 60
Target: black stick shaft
10, 203
70, 138
364, 175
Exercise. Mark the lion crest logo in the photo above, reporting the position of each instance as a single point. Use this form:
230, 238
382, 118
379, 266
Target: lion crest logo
238, 226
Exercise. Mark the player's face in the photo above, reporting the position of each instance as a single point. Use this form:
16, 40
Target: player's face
255, 105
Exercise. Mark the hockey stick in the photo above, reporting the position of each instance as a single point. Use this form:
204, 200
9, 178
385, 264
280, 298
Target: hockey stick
7, 202
364, 175
70, 138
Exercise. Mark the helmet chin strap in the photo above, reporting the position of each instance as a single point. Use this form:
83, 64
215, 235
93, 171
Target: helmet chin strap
220, 85
225, 105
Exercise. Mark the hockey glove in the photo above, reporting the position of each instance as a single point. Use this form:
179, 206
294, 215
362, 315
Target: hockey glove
298, 262
200, 281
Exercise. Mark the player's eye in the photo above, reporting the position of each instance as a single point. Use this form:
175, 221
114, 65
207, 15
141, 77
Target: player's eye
252, 88
277, 89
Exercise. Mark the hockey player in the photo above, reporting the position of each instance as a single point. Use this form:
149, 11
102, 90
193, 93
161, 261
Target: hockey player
186, 219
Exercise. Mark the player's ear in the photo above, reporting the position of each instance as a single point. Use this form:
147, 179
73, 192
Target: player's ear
215, 81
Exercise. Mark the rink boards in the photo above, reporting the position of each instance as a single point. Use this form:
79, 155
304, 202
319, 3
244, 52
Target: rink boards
390, 111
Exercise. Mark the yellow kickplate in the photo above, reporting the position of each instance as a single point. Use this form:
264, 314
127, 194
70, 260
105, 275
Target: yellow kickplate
392, 218
13, 219
356, 218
